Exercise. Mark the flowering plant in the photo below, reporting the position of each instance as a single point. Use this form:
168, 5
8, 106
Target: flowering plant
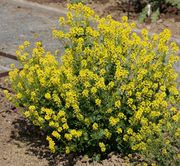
112, 90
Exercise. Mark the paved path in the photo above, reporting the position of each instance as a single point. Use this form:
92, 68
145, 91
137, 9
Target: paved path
20, 21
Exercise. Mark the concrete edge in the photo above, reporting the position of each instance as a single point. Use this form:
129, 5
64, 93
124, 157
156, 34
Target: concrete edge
4, 68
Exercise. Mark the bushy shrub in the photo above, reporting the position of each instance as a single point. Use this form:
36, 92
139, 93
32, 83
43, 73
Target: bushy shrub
112, 90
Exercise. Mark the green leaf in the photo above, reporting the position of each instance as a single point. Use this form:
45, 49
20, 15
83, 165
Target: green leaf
143, 15
98, 134
97, 157
155, 15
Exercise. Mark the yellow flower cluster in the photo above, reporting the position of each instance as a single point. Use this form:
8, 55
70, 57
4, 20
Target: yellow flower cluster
51, 144
102, 146
111, 86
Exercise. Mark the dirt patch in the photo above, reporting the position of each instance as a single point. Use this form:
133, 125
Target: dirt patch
169, 19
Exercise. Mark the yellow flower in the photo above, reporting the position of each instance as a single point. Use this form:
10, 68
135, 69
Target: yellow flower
102, 146
113, 121
19, 96
83, 63
56, 134
124, 18
26, 43
12, 65
118, 104
100, 84
102, 72
62, 20
164, 151
51, 123
51, 144
167, 142
86, 84
107, 133
95, 126
178, 155
145, 33
27, 114
73, 132
130, 131
67, 150
78, 134
87, 121
130, 101
63, 120
176, 117
93, 90
47, 96
109, 110
68, 136
125, 138
98, 102
121, 115
65, 126
80, 116
39, 44
47, 117
119, 130
61, 113
21, 47
111, 85
145, 164
85, 93
32, 108
59, 129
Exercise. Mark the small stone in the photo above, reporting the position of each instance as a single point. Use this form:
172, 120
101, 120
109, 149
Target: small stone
172, 20
78, 163
4, 158
105, 162
160, 21
3, 115
178, 24
168, 22
85, 159
111, 154
114, 158
148, 27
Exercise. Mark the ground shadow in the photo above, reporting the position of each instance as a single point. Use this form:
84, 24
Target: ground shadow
35, 140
